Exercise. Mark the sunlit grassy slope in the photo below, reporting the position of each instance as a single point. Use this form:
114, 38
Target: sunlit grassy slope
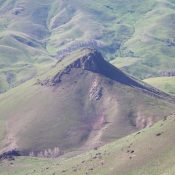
148, 152
136, 29
166, 84
32, 32
23, 30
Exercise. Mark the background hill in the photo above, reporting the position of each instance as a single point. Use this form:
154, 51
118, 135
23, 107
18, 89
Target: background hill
34, 33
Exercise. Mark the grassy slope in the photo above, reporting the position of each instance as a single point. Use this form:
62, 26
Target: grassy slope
41, 29
122, 62
22, 46
166, 84
151, 41
125, 29
152, 155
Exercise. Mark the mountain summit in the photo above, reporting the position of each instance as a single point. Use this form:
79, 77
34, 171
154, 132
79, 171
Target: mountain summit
93, 61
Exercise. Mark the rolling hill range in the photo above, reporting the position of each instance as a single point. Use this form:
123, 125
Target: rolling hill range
35, 33
148, 152
81, 103
87, 87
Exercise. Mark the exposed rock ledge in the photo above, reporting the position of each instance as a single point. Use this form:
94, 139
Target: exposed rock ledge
10, 155
90, 62
93, 62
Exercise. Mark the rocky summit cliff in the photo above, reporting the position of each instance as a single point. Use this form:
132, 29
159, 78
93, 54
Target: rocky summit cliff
93, 61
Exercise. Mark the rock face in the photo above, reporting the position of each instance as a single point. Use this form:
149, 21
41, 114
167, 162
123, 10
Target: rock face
95, 62
170, 73
96, 90
77, 45
47, 153
90, 62
9, 155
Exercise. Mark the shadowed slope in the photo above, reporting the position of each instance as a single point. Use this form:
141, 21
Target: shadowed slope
93, 61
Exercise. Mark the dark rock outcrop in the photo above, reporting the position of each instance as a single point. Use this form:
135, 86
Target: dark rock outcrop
93, 44
10, 155
170, 73
95, 62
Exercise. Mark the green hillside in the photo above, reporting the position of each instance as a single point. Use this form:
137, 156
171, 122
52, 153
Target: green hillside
148, 152
23, 52
34, 33
166, 84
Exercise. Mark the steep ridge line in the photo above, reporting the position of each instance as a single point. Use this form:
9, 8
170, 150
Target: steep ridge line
93, 61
